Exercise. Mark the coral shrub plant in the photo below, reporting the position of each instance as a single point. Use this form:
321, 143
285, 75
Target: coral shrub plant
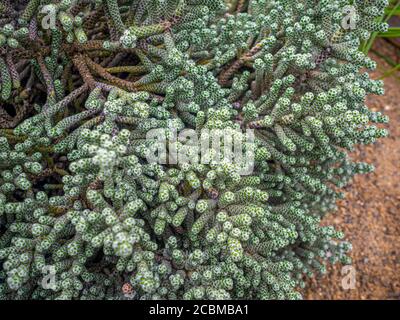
84, 82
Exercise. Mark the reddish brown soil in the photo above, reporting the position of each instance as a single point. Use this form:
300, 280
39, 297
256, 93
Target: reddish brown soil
370, 213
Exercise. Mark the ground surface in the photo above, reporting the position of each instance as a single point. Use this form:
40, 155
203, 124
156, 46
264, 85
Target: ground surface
370, 213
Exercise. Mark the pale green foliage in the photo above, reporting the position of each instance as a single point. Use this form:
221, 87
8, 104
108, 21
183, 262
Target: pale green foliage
76, 190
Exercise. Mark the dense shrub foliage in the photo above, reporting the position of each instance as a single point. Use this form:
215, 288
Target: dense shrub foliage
85, 215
